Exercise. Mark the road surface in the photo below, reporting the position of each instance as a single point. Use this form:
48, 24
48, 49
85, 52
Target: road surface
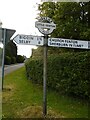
10, 68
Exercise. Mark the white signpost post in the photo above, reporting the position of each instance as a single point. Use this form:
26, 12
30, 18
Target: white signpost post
28, 40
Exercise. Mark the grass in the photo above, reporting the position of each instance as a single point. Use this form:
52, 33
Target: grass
23, 99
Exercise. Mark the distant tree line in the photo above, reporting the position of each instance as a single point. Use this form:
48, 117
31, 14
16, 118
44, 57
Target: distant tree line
11, 56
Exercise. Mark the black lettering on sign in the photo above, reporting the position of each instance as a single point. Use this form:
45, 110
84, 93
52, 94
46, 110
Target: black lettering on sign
66, 45
19, 41
26, 41
29, 42
79, 45
57, 44
20, 36
70, 45
50, 43
50, 39
61, 40
39, 42
39, 38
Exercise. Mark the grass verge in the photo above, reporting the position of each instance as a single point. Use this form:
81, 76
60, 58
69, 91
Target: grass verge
23, 99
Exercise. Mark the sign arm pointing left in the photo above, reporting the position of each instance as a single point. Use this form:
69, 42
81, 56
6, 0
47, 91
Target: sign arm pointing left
28, 40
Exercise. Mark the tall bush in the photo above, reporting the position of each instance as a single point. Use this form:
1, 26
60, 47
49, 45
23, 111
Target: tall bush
20, 59
67, 73
7, 60
13, 60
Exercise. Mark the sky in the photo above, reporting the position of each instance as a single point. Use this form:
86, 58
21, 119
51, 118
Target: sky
21, 16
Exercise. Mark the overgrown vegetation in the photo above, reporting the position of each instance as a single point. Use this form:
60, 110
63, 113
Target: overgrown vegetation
10, 53
67, 72
67, 68
11, 56
20, 59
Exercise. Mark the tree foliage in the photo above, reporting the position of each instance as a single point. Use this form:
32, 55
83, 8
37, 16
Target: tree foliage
20, 59
10, 52
11, 49
72, 19
7, 60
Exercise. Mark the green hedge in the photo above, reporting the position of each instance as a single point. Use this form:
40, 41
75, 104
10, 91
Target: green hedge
67, 73
13, 60
7, 60
34, 70
20, 59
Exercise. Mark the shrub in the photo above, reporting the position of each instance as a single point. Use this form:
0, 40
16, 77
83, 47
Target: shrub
34, 70
67, 73
20, 59
7, 60
13, 60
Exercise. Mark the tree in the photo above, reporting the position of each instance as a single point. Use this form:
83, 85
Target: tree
11, 51
72, 19
7, 60
20, 59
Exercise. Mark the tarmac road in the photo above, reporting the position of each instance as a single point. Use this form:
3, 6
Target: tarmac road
9, 68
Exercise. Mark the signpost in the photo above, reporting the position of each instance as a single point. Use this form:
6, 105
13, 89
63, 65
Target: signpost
28, 40
43, 26
46, 26
68, 43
